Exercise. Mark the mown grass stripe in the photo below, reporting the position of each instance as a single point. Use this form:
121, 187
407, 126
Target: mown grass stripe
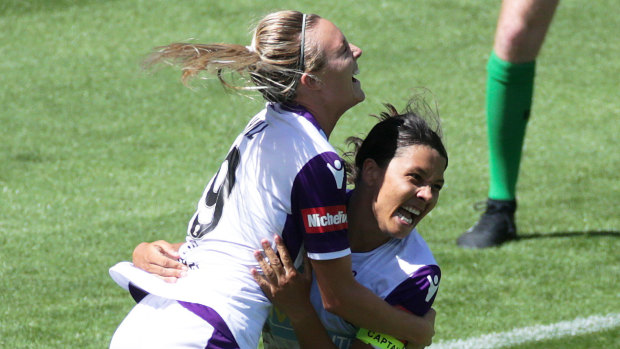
576, 327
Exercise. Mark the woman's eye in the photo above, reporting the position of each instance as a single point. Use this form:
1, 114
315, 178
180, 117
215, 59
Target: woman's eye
416, 177
347, 48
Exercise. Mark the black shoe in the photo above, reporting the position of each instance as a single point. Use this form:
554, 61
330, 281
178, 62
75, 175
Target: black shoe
496, 226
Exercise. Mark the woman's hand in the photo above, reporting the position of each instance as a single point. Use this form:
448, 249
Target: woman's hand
160, 258
430, 317
287, 288
289, 291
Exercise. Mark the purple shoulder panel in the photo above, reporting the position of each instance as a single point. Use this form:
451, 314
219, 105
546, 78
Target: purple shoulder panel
318, 206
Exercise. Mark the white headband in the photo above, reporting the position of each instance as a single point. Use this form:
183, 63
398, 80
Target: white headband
303, 42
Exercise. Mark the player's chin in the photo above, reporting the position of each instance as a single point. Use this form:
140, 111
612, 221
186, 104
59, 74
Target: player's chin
360, 96
403, 232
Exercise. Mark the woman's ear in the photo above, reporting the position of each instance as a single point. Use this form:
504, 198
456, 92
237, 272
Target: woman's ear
309, 81
371, 172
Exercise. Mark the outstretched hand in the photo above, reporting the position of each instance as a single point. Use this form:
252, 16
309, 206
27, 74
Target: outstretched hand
160, 258
287, 288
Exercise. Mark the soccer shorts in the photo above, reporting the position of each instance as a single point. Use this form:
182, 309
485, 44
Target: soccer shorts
158, 322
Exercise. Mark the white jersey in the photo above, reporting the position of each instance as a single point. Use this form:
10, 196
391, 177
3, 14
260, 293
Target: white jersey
402, 272
281, 176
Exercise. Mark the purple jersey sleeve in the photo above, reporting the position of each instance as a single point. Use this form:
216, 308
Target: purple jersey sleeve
318, 204
417, 293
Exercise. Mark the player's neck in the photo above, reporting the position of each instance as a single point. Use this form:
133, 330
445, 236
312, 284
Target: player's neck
321, 112
364, 232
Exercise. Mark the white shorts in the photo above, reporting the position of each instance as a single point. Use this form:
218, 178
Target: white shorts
158, 322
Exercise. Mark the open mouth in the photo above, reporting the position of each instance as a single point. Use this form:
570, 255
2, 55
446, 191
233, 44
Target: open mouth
407, 214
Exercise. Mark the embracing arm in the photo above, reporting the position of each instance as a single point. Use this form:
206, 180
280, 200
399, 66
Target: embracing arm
289, 291
370, 339
357, 344
345, 297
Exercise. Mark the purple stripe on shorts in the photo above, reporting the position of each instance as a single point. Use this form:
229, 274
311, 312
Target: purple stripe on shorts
221, 338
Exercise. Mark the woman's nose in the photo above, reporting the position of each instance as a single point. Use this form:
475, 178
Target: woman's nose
357, 52
425, 193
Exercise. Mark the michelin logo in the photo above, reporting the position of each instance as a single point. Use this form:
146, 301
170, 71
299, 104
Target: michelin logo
325, 219
317, 220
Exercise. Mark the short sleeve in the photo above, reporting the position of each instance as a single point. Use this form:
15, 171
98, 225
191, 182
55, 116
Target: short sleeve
318, 205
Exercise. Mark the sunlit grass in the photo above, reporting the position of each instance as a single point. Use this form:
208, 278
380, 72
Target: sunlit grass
97, 155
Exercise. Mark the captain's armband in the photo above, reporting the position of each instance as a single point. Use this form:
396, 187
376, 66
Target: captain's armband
379, 340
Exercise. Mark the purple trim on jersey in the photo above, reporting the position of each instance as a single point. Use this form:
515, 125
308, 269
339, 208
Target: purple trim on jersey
221, 338
411, 294
302, 111
315, 186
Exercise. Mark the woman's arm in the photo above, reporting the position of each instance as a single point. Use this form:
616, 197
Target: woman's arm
315, 195
366, 339
357, 344
345, 297
289, 291
160, 258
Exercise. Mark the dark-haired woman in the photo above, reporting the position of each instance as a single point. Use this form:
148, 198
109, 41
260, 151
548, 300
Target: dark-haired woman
399, 172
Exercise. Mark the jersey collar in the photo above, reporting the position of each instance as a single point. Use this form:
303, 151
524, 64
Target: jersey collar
301, 111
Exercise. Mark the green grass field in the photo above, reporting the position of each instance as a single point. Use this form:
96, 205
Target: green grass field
97, 156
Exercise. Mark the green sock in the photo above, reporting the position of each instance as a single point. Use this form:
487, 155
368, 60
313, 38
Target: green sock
509, 99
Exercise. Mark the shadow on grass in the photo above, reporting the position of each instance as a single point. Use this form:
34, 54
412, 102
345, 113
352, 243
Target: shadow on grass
615, 234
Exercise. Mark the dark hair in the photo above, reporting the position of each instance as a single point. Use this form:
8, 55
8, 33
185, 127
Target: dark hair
395, 131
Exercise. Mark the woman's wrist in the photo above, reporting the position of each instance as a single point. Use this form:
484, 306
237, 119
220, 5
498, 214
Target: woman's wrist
302, 314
